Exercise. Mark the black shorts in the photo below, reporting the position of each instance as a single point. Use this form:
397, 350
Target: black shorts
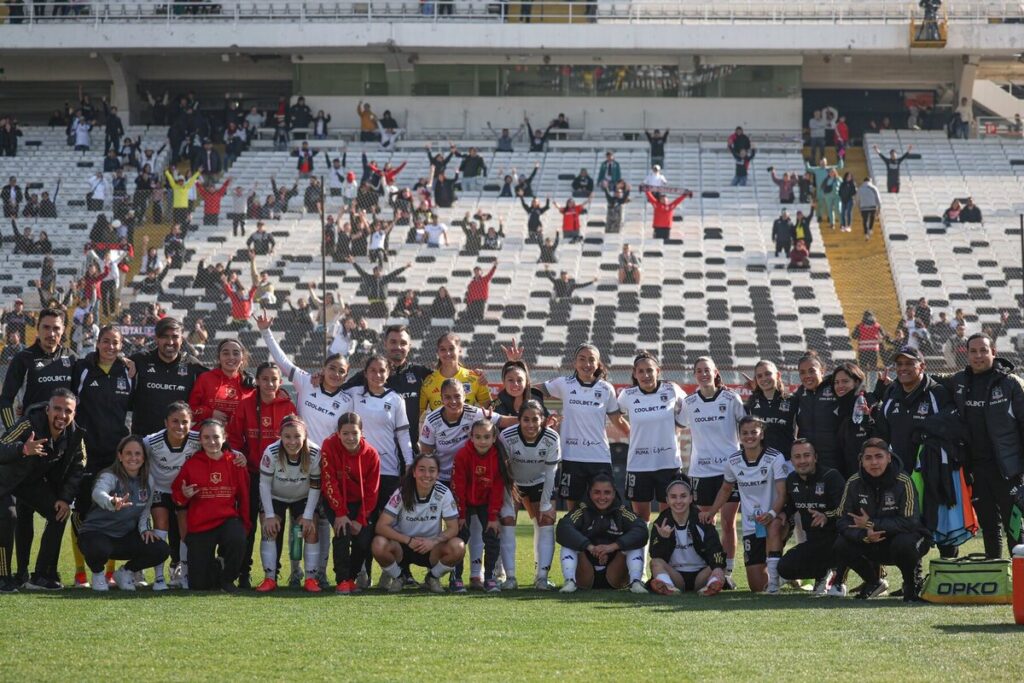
642, 487
705, 490
575, 477
295, 509
162, 499
410, 556
755, 550
690, 580
532, 493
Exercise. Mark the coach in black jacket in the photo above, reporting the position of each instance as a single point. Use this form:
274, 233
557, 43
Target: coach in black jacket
991, 400
41, 463
880, 522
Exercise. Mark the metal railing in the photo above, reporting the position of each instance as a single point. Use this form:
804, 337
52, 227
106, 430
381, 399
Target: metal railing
575, 11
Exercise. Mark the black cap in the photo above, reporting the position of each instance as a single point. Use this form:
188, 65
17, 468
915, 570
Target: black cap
909, 352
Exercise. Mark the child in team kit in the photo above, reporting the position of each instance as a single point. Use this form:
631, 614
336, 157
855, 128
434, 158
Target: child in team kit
686, 554
350, 483
214, 489
166, 453
533, 456
480, 482
419, 526
602, 542
290, 483
760, 475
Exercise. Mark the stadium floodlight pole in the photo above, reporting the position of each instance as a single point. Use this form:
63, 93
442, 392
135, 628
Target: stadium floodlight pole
323, 261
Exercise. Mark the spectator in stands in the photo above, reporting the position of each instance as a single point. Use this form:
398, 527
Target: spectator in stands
180, 189
547, 250
24, 242
12, 196
474, 236
504, 139
12, 347
174, 246
241, 299
663, 212
374, 287
300, 114
524, 185
738, 141
538, 138
940, 330
282, 197
261, 242
97, 194
571, 213
842, 137
870, 201
952, 214
508, 183
407, 307
304, 159
494, 239
444, 190
782, 234
916, 333
367, 123
311, 197
534, 224
963, 118
892, 167
610, 173
629, 266
799, 257
113, 127
655, 178
442, 308
827, 179
743, 159
616, 200
923, 312
439, 162
805, 184
9, 134
869, 335
31, 209
582, 185
477, 292
847, 192
473, 170
111, 162
955, 348
435, 232
81, 132
43, 245
212, 198
17, 319
785, 184
657, 141
970, 213
816, 136
565, 286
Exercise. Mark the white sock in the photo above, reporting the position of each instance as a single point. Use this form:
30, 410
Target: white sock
508, 550
325, 532
158, 570
311, 557
476, 548
392, 570
635, 563
545, 536
728, 565
569, 559
664, 578
773, 568
183, 552
440, 569
268, 554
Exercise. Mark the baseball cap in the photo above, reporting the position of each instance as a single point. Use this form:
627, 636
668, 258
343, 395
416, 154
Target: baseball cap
19, 300
910, 352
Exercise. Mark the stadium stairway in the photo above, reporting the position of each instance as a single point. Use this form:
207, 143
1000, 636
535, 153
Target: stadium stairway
860, 268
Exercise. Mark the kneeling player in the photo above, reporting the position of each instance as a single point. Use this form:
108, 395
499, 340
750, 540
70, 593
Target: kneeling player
602, 542
419, 525
686, 554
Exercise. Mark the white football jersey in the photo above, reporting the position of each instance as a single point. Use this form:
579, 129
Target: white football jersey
685, 558
585, 408
756, 483
288, 483
385, 426
164, 461
653, 417
529, 463
427, 515
447, 438
714, 435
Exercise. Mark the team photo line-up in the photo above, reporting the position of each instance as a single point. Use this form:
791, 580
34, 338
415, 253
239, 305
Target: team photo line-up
155, 456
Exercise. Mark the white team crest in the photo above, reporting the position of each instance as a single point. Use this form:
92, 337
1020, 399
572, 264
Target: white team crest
819, 488
997, 393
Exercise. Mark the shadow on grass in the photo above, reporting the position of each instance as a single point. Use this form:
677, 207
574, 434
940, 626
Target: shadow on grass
959, 629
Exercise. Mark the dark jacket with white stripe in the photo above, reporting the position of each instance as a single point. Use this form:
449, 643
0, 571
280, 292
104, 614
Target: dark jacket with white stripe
62, 464
901, 416
40, 373
889, 501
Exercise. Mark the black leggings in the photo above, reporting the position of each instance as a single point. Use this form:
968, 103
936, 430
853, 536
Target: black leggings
37, 497
254, 514
207, 549
350, 551
98, 547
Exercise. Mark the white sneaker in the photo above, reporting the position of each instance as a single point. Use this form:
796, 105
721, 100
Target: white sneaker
730, 584
140, 579
99, 582
568, 587
637, 586
124, 579
773, 586
542, 584
160, 586
363, 581
838, 590
177, 571
510, 584
821, 585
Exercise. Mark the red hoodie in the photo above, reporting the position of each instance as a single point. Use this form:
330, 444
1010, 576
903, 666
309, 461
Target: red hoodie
571, 217
348, 478
241, 308
476, 480
250, 434
663, 212
212, 198
479, 289
214, 390
223, 492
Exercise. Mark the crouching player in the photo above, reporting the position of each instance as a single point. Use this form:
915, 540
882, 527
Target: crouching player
602, 542
419, 525
686, 554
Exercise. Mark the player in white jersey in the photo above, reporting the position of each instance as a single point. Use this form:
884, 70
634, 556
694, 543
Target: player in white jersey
533, 453
419, 525
652, 407
686, 554
319, 405
289, 484
760, 474
712, 414
166, 451
588, 403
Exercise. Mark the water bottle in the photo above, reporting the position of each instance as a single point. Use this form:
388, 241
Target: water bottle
1018, 584
860, 409
295, 543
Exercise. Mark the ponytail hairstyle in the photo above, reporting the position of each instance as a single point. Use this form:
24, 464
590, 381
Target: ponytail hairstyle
304, 455
602, 370
349, 418
518, 365
642, 356
811, 356
454, 338
245, 351
374, 357
177, 407
118, 469
718, 374
408, 485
